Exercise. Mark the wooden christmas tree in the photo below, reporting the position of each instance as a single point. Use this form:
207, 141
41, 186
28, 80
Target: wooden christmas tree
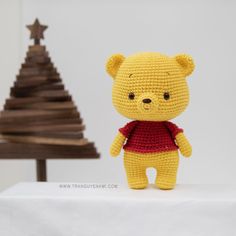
40, 120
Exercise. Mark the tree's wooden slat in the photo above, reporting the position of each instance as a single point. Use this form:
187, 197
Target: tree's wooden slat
23, 101
38, 73
36, 48
45, 106
37, 53
51, 94
32, 65
46, 151
31, 113
15, 116
75, 135
40, 122
35, 81
40, 60
27, 91
53, 77
40, 128
43, 140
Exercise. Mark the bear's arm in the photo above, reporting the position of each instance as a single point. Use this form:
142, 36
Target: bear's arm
184, 145
117, 145
182, 142
121, 137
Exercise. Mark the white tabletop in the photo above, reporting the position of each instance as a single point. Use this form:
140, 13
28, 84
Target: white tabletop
109, 209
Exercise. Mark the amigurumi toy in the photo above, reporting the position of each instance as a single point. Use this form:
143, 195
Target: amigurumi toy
150, 89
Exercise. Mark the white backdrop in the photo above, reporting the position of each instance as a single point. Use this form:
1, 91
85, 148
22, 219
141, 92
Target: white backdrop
80, 37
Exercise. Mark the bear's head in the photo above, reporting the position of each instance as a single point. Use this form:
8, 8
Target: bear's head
150, 86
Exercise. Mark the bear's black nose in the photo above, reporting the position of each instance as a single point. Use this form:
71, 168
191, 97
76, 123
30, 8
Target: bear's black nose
147, 100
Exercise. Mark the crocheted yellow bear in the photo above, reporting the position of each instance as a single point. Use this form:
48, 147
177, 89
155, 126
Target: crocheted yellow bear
150, 89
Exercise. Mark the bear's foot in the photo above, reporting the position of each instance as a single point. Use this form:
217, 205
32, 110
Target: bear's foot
165, 183
137, 183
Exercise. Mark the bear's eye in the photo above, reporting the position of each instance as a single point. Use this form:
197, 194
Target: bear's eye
166, 96
131, 96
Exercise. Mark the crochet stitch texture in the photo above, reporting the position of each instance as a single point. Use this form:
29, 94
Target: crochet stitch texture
150, 89
150, 136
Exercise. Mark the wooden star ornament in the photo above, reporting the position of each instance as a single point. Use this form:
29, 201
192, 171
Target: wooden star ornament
37, 30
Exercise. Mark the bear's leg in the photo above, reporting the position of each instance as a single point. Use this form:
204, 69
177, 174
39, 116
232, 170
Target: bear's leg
135, 171
167, 166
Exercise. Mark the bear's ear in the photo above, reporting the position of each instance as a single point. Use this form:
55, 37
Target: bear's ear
186, 62
113, 64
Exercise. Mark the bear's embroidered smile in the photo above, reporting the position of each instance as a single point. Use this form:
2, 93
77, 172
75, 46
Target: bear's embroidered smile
147, 103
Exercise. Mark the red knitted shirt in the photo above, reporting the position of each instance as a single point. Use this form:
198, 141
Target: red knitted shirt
150, 136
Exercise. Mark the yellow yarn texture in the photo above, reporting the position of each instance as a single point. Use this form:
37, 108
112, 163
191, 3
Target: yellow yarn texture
150, 89
166, 164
